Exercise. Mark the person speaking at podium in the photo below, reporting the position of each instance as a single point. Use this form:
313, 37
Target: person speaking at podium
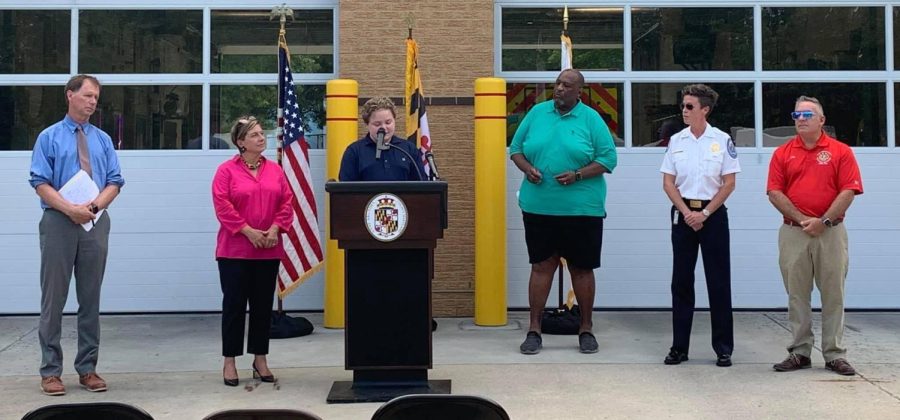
380, 155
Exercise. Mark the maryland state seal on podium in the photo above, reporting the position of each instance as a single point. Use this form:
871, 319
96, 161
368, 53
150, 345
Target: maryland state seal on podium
386, 217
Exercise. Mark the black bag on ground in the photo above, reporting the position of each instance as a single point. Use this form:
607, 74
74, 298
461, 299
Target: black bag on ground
284, 326
565, 319
561, 321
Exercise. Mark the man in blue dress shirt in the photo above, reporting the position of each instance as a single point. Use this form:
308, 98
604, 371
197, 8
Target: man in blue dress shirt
60, 152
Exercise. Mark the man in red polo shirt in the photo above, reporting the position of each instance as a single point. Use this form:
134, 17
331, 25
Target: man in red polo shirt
813, 178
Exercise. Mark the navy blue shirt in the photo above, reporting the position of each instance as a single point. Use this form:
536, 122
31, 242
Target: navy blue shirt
359, 163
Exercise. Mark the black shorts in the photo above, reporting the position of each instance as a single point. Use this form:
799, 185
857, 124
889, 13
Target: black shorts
578, 239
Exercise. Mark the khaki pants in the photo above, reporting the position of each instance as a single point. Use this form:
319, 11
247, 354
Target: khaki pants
825, 258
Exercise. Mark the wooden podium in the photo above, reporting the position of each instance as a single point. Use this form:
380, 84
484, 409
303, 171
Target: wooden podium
389, 231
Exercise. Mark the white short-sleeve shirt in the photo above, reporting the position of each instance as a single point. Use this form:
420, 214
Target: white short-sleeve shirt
698, 164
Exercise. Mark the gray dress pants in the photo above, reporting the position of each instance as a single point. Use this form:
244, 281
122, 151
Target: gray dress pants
67, 248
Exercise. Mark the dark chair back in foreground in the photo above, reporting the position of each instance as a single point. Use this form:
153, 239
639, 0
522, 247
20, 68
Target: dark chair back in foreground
440, 407
88, 411
262, 414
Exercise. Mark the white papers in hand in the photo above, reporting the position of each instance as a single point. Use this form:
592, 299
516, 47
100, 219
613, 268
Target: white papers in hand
81, 189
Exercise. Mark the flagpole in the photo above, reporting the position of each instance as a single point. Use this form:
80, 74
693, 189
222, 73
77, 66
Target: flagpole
409, 25
566, 42
282, 12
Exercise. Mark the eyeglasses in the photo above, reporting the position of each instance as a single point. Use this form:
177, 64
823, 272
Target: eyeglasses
690, 107
796, 115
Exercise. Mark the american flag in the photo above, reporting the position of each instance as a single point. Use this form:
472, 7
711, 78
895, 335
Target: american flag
303, 254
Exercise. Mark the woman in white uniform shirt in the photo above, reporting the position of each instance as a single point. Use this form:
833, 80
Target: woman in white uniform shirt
698, 176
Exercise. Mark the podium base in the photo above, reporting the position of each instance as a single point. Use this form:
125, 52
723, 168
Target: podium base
343, 392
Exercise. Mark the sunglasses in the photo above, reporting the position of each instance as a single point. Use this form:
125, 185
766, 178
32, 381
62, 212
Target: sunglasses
796, 115
690, 107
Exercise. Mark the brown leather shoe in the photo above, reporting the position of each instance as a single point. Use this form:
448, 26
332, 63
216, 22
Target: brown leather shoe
52, 385
841, 367
792, 363
92, 382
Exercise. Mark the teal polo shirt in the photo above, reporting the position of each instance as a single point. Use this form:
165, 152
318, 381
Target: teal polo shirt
554, 144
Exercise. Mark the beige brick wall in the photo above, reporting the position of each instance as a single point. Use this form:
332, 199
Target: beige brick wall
455, 47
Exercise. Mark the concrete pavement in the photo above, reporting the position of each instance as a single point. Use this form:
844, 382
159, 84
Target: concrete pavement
170, 365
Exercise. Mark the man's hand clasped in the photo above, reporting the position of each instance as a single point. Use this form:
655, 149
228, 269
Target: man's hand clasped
813, 226
81, 213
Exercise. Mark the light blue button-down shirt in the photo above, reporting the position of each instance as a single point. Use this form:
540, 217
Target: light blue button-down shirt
55, 157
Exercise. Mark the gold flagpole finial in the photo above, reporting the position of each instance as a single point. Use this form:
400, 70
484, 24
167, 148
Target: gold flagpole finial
409, 23
282, 12
566, 19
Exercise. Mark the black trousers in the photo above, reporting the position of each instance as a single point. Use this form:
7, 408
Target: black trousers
713, 240
246, 282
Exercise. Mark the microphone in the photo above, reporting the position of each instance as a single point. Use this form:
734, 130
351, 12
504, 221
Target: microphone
414, 162
430, 158
379, 143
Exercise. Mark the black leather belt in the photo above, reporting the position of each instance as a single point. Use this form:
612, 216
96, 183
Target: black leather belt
793, 223
696, 204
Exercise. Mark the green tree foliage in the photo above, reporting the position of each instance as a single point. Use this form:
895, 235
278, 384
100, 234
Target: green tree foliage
262, 101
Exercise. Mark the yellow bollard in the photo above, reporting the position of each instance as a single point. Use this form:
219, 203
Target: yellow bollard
341, 106
490, 202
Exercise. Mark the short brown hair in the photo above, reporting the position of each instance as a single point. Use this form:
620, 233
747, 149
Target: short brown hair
705, 94
812, 100
241, 127
377, 104
74, 84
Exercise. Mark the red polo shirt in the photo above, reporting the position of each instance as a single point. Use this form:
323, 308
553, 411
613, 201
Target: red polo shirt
812, 178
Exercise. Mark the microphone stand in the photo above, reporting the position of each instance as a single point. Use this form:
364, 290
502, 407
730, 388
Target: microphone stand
415, 162
430, 158
379, 144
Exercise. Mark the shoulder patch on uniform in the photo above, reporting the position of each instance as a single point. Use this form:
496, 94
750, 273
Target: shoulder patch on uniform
732, 151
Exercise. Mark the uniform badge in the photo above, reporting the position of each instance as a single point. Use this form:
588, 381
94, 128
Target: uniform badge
823, 157
732, 151
714, 147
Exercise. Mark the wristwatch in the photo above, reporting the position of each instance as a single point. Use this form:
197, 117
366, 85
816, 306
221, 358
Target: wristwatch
94, 208
705, 212
827, 222
578, 174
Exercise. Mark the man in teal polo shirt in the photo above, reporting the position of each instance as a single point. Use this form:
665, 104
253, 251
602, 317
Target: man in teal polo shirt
563, 148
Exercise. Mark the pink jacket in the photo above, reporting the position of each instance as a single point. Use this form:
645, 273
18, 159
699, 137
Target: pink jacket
240, 200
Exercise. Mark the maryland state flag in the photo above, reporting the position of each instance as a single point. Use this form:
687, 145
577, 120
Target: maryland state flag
416, 120
566, 51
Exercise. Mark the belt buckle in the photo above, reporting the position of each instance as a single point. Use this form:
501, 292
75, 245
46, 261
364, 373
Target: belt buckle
695, 204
